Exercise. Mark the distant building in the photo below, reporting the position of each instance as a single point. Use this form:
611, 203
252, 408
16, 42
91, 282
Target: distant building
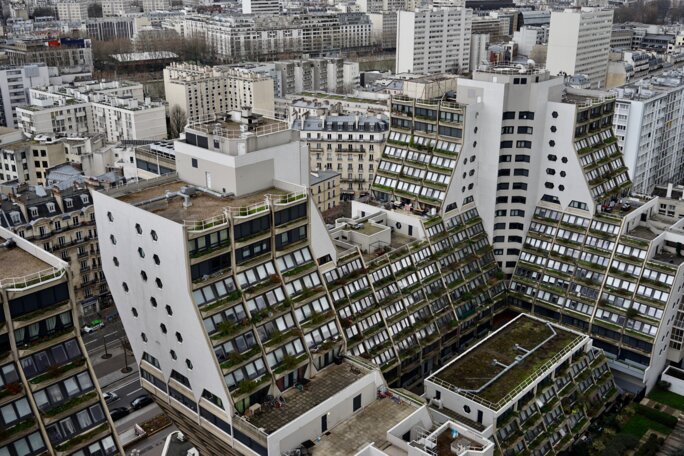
325, 189
156, 5
201, 91
15, 82
72, 10
67, 54
260, 7
648, 131
434, 40
579, 42
110, 28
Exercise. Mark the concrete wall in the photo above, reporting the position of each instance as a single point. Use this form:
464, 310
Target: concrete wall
676, 384
339, 408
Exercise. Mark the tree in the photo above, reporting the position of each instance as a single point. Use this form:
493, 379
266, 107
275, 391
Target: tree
94, 10
177, 121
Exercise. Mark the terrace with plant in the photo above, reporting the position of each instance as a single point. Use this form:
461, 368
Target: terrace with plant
501, 366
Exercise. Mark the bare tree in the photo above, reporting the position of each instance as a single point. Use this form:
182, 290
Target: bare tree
177, 121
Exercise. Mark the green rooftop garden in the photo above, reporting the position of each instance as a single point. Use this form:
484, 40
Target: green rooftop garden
477, 367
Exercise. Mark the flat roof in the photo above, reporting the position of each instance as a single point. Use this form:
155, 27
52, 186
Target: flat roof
204, 205
325, 385
17, 262
370, 425
494, 367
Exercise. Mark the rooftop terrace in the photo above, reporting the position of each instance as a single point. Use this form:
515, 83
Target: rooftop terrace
495, 367
203, 205
667, 257
325, 385
18, 263
369, 425
225, 127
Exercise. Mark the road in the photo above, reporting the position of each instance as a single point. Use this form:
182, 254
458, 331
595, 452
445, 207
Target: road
126, 387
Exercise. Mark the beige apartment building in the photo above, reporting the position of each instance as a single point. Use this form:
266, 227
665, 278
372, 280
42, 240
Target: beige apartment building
325, 189
202, 91
350, 145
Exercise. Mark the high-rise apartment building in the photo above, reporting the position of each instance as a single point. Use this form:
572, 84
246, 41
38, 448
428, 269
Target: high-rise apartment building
202, 91
579, 43
267, 298
434, 40
15, 82
648, 133
72, 10
349, 145
52, 403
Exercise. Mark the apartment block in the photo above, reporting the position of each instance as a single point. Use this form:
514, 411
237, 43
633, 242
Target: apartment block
61, 222
202, 91
349, 145
530, 386
116, 109
15, 82
52, 402
579, 43
72, 10
648, 133
280, 36
325, 189
435, 40
277, 296
69, 55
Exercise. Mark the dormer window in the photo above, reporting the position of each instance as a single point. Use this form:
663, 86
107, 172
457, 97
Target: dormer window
34, 211
16, 217
50, 207
69, 202
85, 199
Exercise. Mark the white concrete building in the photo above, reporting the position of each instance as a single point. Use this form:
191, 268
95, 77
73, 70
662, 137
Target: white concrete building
72, 10
260, 6
202, 91
128, 119
579, 43
435, 40
649, 135
15, 82
117, 109
528, 37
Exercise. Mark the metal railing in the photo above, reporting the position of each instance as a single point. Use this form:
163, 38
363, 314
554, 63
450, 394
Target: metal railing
29, 280
201, 225
247, 211
530, 379
287, 198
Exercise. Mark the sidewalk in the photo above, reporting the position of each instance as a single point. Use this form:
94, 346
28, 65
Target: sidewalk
108, 371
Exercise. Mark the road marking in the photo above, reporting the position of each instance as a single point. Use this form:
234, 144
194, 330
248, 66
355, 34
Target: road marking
120, 387
133, 392
107, 335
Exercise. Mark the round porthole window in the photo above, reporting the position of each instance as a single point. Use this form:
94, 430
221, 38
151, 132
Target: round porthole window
398, 225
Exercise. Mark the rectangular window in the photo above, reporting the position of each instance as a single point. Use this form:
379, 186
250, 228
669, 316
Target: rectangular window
357, 402
194, 163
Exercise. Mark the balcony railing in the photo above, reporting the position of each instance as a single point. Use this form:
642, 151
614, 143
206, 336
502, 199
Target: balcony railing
18, 283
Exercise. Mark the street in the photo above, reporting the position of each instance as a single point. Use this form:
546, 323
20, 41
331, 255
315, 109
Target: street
125, 385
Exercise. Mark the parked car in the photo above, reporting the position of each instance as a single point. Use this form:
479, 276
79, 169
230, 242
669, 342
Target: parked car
141, 401
93, 326
110, 397
118, 413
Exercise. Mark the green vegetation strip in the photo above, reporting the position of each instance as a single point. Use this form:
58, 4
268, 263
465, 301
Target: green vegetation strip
667, 398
